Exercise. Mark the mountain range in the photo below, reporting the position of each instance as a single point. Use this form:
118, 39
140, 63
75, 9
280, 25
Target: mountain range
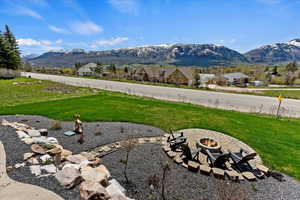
175, 54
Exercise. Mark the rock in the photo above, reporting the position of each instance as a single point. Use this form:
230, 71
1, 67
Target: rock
68, 177
76, 166
92, 191
116, 191
22, 134
51, 140
88, 156
54, 151
37, 149
9, 168
77, 159
46, 157
96, 162
65, 153
28, 141
44, 132
39, 140
90, 174
103, 169
49, 168
26, 156
33, 161
33, 133
18, 165
35, 170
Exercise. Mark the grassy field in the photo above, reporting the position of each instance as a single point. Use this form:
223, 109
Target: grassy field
23, 90
292, 94
277, 141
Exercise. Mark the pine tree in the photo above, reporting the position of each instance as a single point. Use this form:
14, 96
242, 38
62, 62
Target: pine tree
15, 59
6, 54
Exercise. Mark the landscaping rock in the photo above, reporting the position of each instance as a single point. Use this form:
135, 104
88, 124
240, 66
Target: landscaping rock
35, 170
88, 156
26, 156
93, 191
37, 149
76, 166
33, 133
18, 165
49, 168
46, 157
22, 134
33, 161
68, 177
90, 174
65, 153
51, 140
28, 141
44, 132
115, 190
77, 159
39, 140
103, 169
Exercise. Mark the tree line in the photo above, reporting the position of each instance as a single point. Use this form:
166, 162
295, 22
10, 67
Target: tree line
9, 51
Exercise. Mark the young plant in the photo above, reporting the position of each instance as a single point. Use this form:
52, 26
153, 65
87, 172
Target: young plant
128, 145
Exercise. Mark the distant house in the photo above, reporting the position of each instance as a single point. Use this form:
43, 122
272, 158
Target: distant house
172, 75
236, 78
87, 70
205, 78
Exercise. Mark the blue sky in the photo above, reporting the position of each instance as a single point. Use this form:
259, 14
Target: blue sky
43, 25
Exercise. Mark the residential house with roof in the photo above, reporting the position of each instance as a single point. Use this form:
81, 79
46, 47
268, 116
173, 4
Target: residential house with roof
87, 70
236, 78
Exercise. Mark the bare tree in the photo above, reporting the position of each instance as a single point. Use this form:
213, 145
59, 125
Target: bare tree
128, 145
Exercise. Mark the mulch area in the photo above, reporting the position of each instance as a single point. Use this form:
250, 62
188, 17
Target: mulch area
145, 161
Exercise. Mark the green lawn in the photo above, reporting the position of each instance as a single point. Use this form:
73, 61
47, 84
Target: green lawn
277, 141
292, 94
23, 90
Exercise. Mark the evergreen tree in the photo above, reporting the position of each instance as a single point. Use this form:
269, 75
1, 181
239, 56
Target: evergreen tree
6, 54
15, 59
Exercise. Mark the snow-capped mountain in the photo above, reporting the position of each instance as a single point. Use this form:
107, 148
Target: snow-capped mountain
279, 53
177, 54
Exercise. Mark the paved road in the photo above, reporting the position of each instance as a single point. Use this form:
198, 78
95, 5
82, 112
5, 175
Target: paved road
239, 102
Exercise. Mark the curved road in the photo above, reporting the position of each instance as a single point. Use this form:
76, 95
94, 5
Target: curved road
228, 101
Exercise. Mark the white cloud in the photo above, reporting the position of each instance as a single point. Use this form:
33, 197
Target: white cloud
27, 12
125, 6
57, 29
40, 43
109, 42
86, 28
28, 42
51, 48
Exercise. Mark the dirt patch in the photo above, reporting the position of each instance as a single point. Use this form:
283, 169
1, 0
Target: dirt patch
61, 89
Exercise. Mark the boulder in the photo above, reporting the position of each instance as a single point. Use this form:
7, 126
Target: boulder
49, 168
33, 161
22, 135
93, 191
39, 140
115, 190
28, 141
103, 169
18, 165
37, 149
51, 140
35, 170
88, 156
46, 157
90, 174
26, 156
65, 153
54, 151
33, 133
77, 159
96, 162
68, 177
44, 132
76, 166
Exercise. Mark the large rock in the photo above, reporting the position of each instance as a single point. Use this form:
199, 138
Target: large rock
22, 134
68, 177
93, 191
33, 161
51, 140
49, 168
33, 133
103, 169
77, 159
65, 153
46, 157
26, 156
35, 170
37, 149
28, 141
90, 174
115, 190
88, 156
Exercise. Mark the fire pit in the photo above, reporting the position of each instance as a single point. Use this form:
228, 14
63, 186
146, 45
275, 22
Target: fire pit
209, 144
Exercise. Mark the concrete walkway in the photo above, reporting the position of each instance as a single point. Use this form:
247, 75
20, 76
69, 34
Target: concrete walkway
12, 190
228, 101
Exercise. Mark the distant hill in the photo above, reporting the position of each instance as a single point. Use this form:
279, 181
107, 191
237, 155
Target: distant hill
280, 53
175, 54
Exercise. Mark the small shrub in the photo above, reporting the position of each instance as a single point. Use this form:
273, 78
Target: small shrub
56, 125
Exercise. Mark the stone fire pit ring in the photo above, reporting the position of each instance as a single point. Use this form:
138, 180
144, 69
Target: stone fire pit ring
210, 144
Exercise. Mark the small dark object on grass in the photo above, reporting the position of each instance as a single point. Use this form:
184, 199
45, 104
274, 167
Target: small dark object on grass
37, 121
278, 176
56, 125
98, 133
